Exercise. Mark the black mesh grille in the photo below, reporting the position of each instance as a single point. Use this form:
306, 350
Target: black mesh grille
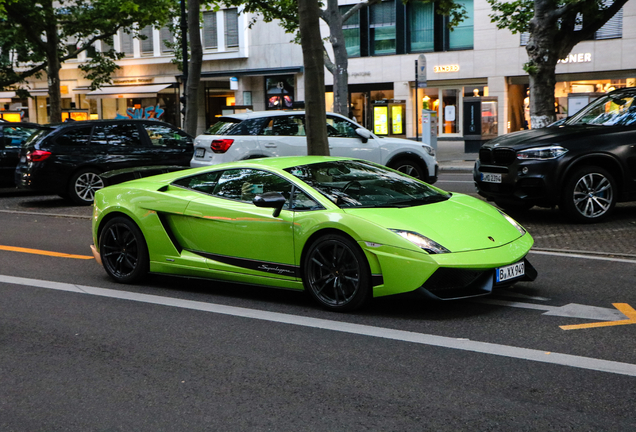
451, 279
497, 156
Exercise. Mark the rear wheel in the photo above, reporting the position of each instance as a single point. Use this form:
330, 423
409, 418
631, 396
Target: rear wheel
336, 273
589, 195
410, 167
123, 250
83, 186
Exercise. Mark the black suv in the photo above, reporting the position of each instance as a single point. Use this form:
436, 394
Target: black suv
584, 164
68, 158
12, 136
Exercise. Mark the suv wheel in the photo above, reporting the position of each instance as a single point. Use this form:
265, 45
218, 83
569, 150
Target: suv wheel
589, 195
83, 186
411, 168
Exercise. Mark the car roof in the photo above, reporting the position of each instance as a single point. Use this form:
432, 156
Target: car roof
272, 113
25, 124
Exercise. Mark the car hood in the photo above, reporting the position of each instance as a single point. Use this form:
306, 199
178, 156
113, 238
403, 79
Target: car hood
562, 135
460, 224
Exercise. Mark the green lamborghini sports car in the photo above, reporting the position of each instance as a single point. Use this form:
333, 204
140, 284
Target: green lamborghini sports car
344, 230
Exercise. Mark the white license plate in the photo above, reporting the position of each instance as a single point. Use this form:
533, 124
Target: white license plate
510, 272
200, 152
490, 178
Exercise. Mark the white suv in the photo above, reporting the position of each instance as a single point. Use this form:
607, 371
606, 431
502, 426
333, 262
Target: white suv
282, 133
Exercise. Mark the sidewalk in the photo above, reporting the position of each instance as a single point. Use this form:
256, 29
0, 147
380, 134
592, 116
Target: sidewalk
451, 157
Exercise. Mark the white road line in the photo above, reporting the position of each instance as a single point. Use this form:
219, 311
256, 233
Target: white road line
591, 257
358, 329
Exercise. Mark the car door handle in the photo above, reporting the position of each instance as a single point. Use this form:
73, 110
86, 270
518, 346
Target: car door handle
270, 145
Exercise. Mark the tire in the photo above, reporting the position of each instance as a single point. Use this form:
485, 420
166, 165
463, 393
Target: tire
410, 167
336, 273
83, 186
514, 207
123, 250
589, 195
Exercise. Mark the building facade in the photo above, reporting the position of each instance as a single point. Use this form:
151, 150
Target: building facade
475, 71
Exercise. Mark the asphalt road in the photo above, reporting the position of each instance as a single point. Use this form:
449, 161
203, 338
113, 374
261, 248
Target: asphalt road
82, 353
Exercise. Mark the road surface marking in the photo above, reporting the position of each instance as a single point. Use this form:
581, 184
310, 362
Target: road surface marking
572, 310
591, 257
542, 356
626, 309
43, 252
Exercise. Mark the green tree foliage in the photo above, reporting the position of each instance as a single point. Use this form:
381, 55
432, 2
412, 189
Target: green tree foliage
555, 27
36, 37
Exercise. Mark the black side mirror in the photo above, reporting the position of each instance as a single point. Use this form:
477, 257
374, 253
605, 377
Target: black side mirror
274, 200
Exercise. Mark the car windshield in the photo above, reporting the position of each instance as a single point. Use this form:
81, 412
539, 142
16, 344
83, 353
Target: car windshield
610, 110
358, 184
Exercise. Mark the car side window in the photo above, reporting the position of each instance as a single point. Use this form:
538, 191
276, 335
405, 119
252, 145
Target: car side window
285, 126
205, 182
244, 184
164, 136
339, 127
120, 135
79, 136
15, 136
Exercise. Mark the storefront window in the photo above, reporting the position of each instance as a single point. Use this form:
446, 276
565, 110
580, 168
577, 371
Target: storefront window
449, 111
280, 92
382, 27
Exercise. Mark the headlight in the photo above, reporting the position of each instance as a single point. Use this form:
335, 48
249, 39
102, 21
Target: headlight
430, 150
422, 242
549, 152
513, 222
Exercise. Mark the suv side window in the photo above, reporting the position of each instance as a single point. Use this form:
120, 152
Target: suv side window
164, 136
339, 127
78, 136
120, 135
285, 126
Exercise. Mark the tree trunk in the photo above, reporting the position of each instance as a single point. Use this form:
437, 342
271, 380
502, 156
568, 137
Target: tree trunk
53, 72
194, 73
316, 114
341, 59
543, 54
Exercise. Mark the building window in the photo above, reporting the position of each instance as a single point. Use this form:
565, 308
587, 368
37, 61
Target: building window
126, 43
166, 40
147, 44
382, 28
231, 28
461, 37
351, 30
279, 91
421, 21
209, 31
106, 44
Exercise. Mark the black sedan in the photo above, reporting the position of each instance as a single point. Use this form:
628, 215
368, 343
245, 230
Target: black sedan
584, 165
69, 158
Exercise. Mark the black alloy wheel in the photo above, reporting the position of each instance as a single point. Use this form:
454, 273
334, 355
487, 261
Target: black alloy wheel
410, 168
83, 186
336, 273
589, 195
123, 250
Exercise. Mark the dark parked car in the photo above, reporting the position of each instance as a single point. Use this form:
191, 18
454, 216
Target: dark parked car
68, 158
12, 136
584, 165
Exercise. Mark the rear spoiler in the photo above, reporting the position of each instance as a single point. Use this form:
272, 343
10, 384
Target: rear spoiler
126, 174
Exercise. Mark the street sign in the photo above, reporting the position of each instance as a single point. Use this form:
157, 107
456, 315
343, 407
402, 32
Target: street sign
421, 70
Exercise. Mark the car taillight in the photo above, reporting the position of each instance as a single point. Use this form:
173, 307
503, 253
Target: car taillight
37, 155
221, 145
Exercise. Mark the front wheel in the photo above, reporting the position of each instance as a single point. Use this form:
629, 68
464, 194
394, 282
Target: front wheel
123, 250
336, 273
589, 195
83, 186
411, 168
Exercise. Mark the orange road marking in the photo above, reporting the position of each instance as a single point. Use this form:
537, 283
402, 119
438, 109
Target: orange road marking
43, 252
626, 309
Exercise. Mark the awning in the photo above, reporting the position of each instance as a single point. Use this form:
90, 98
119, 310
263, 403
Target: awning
7, 95
127, 92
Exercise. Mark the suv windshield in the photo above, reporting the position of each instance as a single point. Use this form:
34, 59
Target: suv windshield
358, 184
611, 110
